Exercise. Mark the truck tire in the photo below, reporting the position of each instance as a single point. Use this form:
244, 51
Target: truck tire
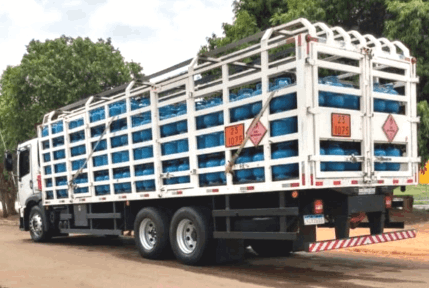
151, 233
37, 224
191, 236
271, 248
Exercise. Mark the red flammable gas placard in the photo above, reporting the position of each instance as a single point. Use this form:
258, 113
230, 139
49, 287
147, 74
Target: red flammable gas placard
257, 133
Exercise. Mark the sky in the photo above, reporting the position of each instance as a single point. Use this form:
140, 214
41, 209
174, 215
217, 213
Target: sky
156, 34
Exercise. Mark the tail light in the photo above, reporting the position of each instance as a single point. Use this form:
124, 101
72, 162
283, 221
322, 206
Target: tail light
39, 182
318, 207
388, 202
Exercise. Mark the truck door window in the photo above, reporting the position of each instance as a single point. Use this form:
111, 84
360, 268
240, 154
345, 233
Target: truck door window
24, 163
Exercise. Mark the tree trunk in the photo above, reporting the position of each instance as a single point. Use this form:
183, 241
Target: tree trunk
3, 202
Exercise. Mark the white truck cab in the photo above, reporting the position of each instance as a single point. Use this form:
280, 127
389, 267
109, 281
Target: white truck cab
28, 169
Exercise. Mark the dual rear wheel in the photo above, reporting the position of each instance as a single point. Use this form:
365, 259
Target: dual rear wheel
188, 234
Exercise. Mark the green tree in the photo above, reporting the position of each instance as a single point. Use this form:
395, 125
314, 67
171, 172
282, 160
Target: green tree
55, 73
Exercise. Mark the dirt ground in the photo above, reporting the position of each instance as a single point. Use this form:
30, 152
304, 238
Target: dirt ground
90, 261
415, 249
411, 249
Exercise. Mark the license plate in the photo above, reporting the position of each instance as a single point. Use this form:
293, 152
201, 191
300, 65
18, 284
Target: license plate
340, 125
314, 219
366, 191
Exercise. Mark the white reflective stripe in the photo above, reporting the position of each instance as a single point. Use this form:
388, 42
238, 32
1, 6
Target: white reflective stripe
405, 234
393, 236
350, 242
374, 239
399, 235
368, 240
330, 245
323, 246
360, 241
388, 237
339, 244
316, 246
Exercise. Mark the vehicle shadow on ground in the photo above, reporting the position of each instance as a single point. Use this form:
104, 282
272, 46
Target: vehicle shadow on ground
304, 270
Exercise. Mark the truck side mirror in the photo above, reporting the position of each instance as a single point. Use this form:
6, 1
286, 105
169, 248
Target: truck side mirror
8, 162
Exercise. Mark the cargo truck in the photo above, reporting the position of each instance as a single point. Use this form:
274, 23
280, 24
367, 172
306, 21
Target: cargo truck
256, 144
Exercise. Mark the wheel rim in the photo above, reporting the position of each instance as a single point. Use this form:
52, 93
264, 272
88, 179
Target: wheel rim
148, 235
186, 236
36, 225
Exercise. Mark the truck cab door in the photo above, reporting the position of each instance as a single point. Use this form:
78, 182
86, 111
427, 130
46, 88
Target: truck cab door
26, 183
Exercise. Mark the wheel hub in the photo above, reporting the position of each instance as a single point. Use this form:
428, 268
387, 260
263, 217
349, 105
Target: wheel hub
36, 225
187, 237
148, 235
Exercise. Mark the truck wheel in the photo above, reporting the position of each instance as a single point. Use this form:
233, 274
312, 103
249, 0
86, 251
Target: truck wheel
37, 223
191, 236
151, 233
271, 248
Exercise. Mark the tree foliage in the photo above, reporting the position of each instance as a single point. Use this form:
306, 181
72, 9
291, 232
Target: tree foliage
53, 74
403, 20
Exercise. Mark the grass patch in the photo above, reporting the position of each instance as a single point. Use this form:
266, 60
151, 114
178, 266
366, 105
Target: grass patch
420, 193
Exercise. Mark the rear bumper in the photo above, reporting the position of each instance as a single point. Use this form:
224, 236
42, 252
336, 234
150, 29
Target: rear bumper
360, 241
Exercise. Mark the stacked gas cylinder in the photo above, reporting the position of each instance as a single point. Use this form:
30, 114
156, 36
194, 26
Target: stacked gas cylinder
337, 100
348, 148
279, 127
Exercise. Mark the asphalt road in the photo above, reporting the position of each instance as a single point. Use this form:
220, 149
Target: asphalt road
87, 261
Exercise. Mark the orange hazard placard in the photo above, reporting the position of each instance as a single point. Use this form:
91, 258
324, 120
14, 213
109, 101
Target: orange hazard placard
340, 125
234, 135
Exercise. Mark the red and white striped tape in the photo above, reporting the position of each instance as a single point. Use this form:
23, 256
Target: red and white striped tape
361, 240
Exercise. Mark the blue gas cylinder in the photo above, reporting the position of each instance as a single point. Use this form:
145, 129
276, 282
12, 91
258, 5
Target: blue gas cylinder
232, 97
244, 175
220, 118
170, 148
202, 161
126, 173
284, 126
282, 172
212, 177
149, 184
148, 170
182, 127
183, 167
380, 166
244, 93
392, 106
258, 90
182, 146
146, 135
256, 107
394, 152
211, 120
335, 149
322, 164
201, 142
222, 174
241, 113
283, 103
258, 157
211, 140
169, 129
284, 150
